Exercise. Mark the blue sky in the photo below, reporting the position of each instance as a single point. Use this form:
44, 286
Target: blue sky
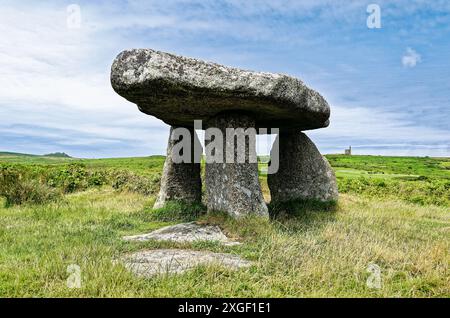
389, 88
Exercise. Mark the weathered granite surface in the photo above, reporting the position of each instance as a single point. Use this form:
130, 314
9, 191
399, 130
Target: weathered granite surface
303, 172
180, 181
176, 261
179, 90
234, 187
185, 233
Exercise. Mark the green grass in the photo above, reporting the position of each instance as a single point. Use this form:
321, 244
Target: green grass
307, 250
12, 157
390, 167
317, 253
142, 165
178, 211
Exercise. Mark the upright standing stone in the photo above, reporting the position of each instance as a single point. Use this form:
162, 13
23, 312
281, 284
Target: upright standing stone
180, 90
180, 181
234, 187
303, 172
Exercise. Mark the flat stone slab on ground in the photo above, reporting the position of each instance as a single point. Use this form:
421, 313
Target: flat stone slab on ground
185, 233
175, 261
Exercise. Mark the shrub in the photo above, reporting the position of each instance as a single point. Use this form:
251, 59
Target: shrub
30, 191
72, 178
420, 191
75, 177
97, 178
18, 187
128, 181
22, 183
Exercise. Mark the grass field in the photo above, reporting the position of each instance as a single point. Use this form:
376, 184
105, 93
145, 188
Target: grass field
392, 212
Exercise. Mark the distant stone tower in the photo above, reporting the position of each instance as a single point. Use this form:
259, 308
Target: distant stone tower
348, 151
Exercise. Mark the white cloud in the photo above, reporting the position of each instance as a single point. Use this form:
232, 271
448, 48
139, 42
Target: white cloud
55, 81
55, 96
367, 129
411, 58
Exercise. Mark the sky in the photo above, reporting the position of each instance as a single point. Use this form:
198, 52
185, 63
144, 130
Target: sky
388, 87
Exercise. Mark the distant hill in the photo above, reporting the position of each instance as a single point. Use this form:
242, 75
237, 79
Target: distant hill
23, 158
16, 154
58, 155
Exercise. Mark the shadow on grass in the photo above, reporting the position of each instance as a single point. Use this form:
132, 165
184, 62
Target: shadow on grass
289, 216
302, 214
178, 211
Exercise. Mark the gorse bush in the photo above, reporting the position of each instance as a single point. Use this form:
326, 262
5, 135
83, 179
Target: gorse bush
420, 191
76, 177
417, 180
37, 184
123, 180
20, 186
30, 191
69, 179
